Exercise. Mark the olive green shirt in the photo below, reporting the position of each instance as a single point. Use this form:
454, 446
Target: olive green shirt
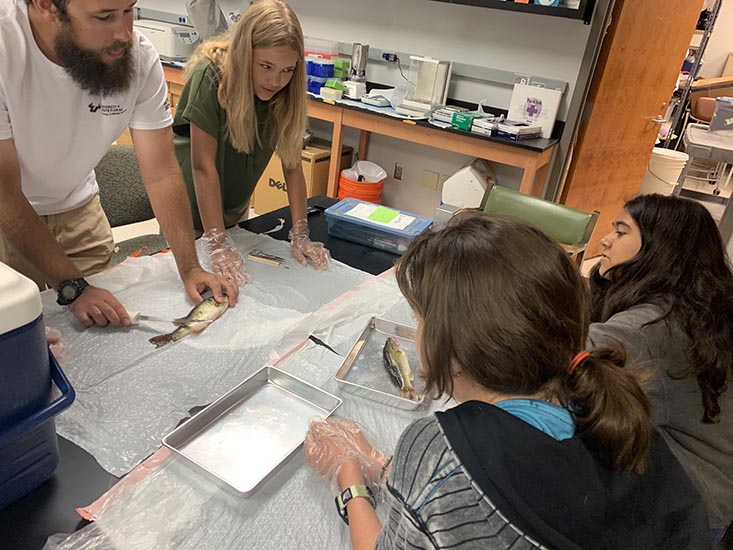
238, 172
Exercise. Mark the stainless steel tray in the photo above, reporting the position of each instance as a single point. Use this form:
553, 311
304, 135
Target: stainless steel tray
363, 372
243, 437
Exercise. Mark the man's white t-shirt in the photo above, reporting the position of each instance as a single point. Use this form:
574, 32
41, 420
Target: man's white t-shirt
60, 131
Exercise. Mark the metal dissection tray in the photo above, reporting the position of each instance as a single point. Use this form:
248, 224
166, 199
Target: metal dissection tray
363, 372
243, 437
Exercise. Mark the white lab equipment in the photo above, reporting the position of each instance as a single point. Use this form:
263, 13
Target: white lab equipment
431, 78
466, 188
173, 42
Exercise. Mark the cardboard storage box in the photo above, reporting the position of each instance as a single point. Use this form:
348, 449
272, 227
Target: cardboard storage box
271, 192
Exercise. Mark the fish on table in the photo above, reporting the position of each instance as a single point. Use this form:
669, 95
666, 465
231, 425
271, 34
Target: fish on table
395, 360
208, 310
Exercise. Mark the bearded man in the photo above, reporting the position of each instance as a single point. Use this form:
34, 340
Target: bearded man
73, 75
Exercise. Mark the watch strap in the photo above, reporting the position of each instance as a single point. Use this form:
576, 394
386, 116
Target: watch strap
77, 285
350, 493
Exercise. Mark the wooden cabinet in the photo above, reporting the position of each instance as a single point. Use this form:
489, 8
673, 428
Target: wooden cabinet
174, 79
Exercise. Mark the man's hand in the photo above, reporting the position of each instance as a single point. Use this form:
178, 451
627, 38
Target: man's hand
196, 281
97, 306
225, 258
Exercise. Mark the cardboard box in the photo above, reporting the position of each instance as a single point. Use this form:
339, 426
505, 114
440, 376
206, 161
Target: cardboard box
271, 191
463, 121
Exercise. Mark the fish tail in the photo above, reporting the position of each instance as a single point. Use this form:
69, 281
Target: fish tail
162, 340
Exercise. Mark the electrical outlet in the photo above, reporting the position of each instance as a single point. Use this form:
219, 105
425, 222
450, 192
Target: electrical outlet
522, 78
398, 169
389, 57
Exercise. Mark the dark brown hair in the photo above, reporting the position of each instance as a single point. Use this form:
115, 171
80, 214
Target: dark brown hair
502, 300
681, 267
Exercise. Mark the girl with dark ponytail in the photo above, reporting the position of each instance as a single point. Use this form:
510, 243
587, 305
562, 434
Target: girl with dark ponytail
549, 447
664, 288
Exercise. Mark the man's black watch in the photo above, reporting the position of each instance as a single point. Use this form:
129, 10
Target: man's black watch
70, 290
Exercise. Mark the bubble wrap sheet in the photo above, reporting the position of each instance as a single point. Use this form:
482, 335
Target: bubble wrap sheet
175, 507
129, 395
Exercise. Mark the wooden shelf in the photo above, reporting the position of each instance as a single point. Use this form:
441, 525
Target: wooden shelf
532, 156
584, 10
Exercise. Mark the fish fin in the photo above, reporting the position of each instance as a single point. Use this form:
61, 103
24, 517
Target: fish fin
162, 340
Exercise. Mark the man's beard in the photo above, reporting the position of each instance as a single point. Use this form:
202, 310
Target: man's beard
88, 69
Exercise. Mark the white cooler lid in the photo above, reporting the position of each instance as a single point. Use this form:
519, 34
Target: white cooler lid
20, 300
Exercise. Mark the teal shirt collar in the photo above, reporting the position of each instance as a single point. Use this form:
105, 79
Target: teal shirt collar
546, 417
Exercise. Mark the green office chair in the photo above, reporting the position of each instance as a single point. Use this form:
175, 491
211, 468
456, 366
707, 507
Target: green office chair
571, 228
125, 201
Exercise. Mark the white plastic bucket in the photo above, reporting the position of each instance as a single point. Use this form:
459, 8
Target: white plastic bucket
663, 171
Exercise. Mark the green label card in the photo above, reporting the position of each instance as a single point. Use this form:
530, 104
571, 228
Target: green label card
382, 214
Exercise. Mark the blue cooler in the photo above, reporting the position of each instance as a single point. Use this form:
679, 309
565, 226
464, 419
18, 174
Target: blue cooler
28, 445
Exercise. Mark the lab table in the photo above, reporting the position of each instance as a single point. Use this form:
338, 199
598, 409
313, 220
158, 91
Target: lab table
531, 156
78, 479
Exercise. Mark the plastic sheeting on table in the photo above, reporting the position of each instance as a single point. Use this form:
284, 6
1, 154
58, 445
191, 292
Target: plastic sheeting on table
175, 507
129, 395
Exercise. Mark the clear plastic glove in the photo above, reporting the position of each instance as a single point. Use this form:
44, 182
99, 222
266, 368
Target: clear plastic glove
303, 249
331, 443
57, 344
225, 259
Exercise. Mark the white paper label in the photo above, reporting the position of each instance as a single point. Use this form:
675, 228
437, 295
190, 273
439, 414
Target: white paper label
381, 215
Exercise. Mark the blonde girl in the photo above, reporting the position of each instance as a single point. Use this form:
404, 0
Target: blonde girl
243, 100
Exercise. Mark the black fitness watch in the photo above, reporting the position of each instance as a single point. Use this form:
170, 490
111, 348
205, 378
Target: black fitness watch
70, 290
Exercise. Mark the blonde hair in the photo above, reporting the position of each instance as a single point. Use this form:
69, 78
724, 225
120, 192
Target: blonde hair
264, 24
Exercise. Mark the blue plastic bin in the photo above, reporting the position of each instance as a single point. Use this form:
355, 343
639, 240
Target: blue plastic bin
374, 225
29, 448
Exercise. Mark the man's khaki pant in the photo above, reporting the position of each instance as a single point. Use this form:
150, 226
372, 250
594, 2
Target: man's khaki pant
84, 233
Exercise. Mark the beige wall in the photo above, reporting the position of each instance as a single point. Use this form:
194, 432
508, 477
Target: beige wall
720, 43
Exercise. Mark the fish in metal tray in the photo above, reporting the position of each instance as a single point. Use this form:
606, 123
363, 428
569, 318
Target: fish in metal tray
207, 310
395, 359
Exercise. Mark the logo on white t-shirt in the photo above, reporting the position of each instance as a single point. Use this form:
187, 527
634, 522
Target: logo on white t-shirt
107, 110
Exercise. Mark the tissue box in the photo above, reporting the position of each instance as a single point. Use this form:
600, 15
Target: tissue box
374, 225
463, 121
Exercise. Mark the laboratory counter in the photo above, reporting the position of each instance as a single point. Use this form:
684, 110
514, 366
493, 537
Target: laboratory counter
533, 156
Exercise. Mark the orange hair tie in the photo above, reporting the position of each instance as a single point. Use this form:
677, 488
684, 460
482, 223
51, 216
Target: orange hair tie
577, 360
